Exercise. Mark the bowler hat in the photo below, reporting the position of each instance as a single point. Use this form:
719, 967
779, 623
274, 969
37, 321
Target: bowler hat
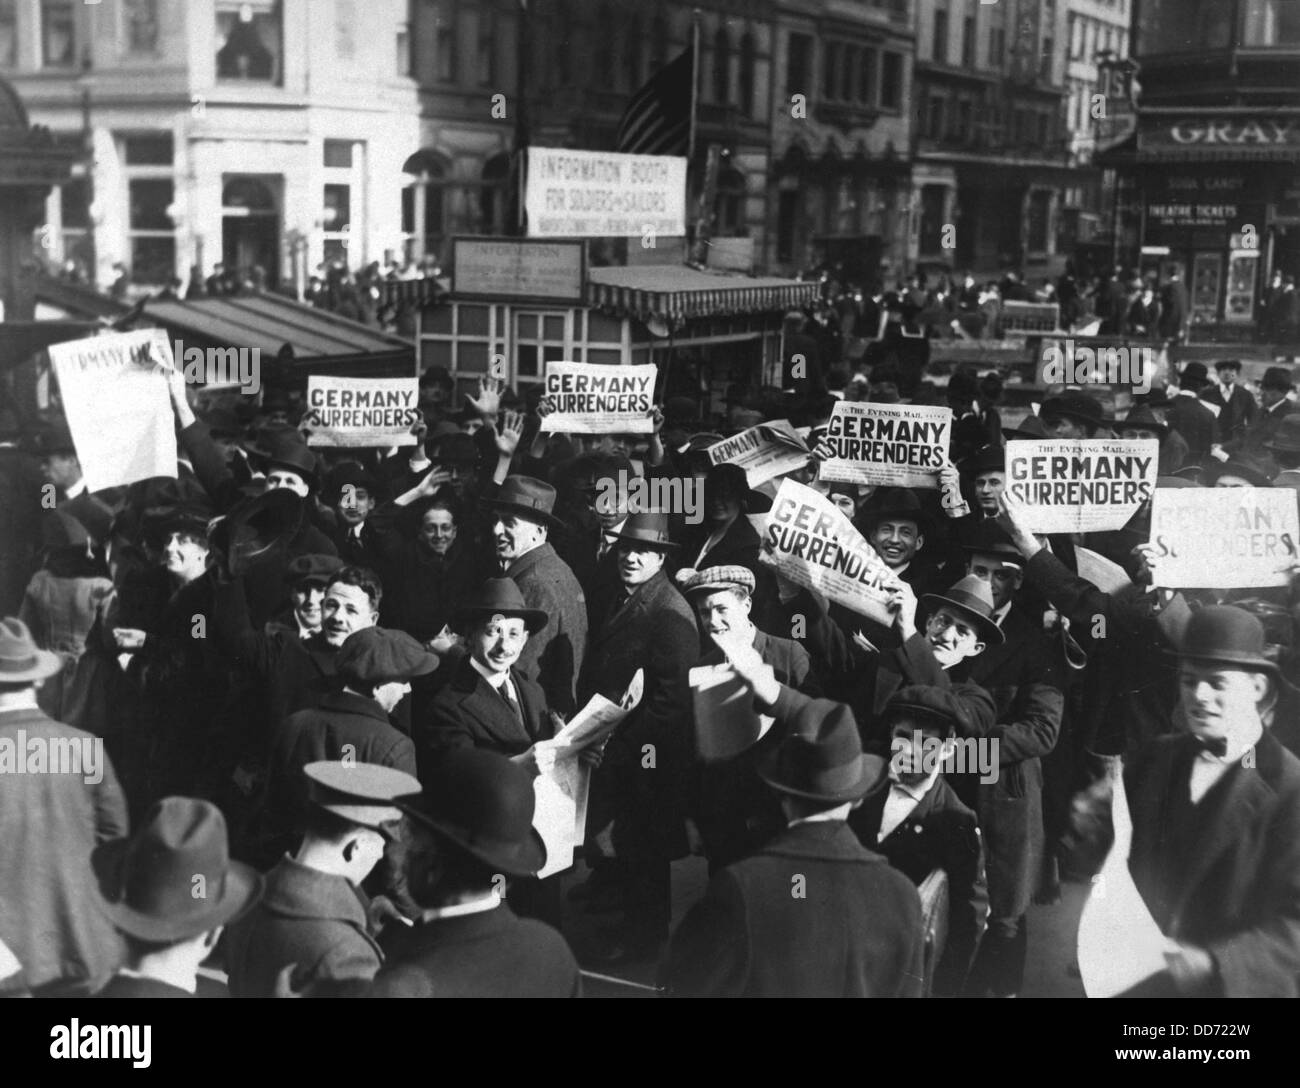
526, 497
974, 600
361, 793
1277, 377
1286, 439
174, 879
285, 450
931, 704
1077, 406
1141, 418
1223, 634
377, 655
1193, 376
990, 458
258, 529
648, 529
891, 503
821, 757
21, 660
713, 579
312, 568
501, 597
483, 803
731, 481
1228, 364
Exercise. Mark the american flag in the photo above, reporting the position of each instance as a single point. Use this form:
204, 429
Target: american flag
658, 119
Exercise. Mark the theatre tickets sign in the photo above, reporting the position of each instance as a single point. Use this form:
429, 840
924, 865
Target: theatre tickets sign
589, 194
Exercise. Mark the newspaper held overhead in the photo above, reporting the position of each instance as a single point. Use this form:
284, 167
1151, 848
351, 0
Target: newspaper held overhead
116, 399
898, 445
561, 791
1081, 485
350, 412
765, 452
810, 541
1224, 537
592, 398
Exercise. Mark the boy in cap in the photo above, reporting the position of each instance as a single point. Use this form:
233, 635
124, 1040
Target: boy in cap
920, 825
313, 913
170, 889
811, 913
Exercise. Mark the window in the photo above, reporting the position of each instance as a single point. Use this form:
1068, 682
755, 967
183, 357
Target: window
787, 212
831, 70
997, 47
487, 49
444, 39
934, 119
968, 42
8, 33
539, 339
141, 18
74, 215
1045, 60
867, 77
963, 130
58, 34
249, 43
562, 29
848, 73
1040, 201
1270, 22
338, 221
492, 196
338, 154
747, 61
729, 206
940, 49
932, 200
721, 67
151, 150
1180, 26
798, 54
891, 80
402, 50
152, 235
427, 191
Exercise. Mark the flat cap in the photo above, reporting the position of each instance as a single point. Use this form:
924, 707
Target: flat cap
312, 568
932, 704
715, 578
376, 655
361, 793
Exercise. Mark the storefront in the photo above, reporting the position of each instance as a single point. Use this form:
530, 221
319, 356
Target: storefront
520, 304
1221, 205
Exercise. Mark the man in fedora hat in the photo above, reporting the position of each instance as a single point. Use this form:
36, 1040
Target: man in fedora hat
472, 831
169, 890
641, 784
1275, 406
1190, 416
811, 913
1236, 406
1072, 414
895, 524
313, 913
1142, 422
920, 825
51, 822
1215, 809
1284, 445
1021, 672
732, 809
522, 513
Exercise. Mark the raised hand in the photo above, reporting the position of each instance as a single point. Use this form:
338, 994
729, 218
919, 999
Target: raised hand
488, 401
509, 433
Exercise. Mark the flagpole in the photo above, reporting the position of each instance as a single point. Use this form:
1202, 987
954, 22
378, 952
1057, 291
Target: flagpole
524, 39
695, 79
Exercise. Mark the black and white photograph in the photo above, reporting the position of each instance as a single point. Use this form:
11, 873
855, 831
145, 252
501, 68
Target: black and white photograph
642, 499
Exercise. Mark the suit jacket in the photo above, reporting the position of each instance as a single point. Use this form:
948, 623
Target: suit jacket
554, 655
1261, 430
305, 917
1173, 310
1235, 413
1196, 423
939, 833
51, 822
1224, 874
468, 713
1025, 681
489, 954
855, 932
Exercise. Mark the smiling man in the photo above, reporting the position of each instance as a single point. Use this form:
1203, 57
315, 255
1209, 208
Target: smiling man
1216, 823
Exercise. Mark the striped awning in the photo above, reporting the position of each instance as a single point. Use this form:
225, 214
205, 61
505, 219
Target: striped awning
676, 295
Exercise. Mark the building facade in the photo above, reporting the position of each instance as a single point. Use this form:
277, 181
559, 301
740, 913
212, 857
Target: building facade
1217, 152
263, 134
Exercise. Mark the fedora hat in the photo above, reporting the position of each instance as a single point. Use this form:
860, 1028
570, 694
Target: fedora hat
482, 803
501, 597
258, 529
1030, 427
148, 880
732, 481
1076, 406
1141, 418
648, 529
21, 661
1193, 376
1277, 377
526, 497
361, 793
1286, 439
974, 600
286, 450
821, 757
1223, 634
1248, 469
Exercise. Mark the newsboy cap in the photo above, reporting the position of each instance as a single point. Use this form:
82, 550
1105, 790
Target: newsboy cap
376, 655
931, 704
312, 568
713, 579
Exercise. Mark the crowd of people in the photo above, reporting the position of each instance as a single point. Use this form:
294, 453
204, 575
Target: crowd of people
324, 681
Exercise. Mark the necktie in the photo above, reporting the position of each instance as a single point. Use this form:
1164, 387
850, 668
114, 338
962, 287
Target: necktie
504, 692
